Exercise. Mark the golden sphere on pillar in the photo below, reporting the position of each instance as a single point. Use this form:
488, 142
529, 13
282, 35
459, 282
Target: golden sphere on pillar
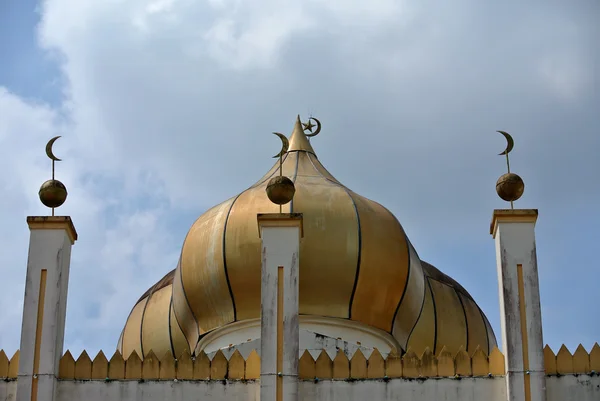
510, 187
53, 193
280, 190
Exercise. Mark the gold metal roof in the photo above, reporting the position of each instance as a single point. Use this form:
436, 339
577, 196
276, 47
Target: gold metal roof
356, 263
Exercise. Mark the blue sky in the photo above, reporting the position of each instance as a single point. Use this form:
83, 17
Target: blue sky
166, 109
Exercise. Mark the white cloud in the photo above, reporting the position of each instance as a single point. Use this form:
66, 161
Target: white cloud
169, 105
122, 249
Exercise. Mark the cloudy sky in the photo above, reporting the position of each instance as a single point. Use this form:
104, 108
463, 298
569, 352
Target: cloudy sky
166, 109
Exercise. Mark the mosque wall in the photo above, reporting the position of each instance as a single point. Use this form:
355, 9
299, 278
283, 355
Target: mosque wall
560, 388
341, 377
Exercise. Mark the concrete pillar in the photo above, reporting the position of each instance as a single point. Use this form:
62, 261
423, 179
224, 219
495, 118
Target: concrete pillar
520, 312
44, 307
280, 334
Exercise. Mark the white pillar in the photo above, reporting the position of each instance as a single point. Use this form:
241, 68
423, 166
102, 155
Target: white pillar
44, 307
520, 312
279, 333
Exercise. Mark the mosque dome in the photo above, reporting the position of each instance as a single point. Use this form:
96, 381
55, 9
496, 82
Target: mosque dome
357, 268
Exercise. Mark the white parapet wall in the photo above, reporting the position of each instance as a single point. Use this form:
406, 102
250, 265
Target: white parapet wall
559, 388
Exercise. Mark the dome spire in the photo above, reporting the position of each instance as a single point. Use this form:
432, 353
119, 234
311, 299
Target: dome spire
299, 140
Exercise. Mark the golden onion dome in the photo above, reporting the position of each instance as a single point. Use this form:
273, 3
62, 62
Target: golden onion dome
356, 263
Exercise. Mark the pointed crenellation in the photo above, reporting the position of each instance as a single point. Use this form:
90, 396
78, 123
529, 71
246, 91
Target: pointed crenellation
463, 363
479, 363
133, 366
375, 365
201, 366
253, 366
595, 358
549, 361
237, 366
324, 366
167, 367
429, 364
581, 360
66, 367
185, 367
564, 361
3, 365
116, 367
83, 367
218, 366
411, 364
150, 367
446, 367
393, 364
357, 367
100, 367
341, 366
306, 366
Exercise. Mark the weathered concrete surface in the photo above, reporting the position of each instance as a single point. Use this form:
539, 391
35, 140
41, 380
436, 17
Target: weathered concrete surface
280, 248
8, 390
563, 388
520, 311
576, 388
49, 256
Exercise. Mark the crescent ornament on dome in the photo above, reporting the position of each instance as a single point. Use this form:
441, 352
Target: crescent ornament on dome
510, 143
49, 149
309, 127
285, 144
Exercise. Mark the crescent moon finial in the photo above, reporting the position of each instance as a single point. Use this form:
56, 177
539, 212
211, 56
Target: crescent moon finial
510, 143
509, 186
285, 144
52, 193
309, 127
49, 149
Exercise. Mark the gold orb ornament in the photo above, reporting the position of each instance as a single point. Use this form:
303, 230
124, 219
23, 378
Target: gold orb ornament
280, 190
53, 193
510, 187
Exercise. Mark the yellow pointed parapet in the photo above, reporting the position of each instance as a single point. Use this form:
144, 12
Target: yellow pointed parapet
409, 365
66, 367
429, 364
150, 367
595, 358
218, 366
202, 366
306, 366
581, 360
463, 363
13, 365
479, 363
100, 367
549, 361
324, 366
358, 365
167, 367
564, 361
116, 367
341, 366
185, 367
253, 366
446, 366
393, 364
133, 366
497, 365
237, 366
375, 365
83, 367
3, 365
